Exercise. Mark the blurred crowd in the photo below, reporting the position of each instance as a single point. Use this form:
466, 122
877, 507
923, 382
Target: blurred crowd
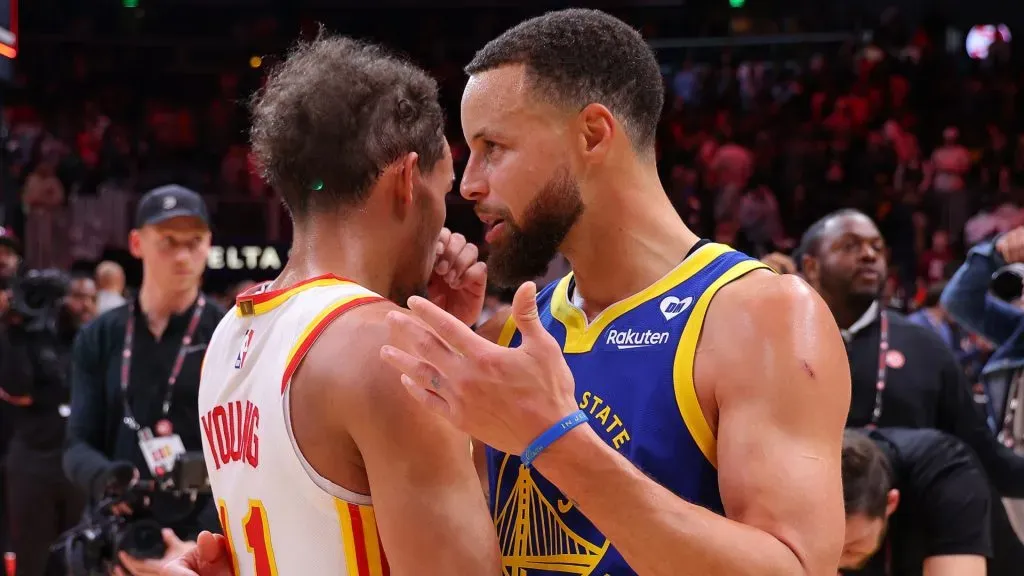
755, 146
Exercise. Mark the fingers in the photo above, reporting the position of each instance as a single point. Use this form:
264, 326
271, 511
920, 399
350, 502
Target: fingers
422, 380
475, 278
212, 548
453, 246
455, 257
451, 329
121, 509
170, 538
524, 310
1011, 246
429, 399
467, 256
421, 372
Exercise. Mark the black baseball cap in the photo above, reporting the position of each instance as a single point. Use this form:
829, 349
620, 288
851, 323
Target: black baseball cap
172, 201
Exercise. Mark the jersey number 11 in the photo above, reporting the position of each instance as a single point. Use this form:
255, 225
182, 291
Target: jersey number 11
256, 531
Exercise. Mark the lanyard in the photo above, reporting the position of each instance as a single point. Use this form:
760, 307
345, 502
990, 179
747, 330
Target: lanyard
126, 360
883, 350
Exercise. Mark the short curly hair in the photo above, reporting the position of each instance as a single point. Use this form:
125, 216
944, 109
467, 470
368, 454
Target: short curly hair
577, 57
334, 114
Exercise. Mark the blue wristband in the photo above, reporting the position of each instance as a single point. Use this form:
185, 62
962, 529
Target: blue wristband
551, 434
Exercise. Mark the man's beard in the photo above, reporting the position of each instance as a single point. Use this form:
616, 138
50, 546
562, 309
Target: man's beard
855, 299
524, 251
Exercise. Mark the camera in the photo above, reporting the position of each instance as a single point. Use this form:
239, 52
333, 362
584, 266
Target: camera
1008, 282
91, 548
36, 298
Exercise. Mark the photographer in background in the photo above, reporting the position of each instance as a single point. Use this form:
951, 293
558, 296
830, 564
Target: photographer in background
984, 296
135, 369
46, 310
917, 504
10, 261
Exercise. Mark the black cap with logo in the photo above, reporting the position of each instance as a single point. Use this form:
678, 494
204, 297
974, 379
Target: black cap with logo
166, 202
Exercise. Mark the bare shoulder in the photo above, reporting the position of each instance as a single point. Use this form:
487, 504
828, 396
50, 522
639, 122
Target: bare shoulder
347, 354
493, 328
763, 305
767, 320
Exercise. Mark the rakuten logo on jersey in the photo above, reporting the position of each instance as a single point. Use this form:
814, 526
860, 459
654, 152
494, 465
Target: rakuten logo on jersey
629, 338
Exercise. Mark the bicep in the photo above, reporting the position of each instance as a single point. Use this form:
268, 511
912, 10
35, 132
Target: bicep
782, 407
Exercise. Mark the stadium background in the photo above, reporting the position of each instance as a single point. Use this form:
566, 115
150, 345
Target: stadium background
778, 111
127, 94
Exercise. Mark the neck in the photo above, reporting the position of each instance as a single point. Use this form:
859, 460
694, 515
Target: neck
848, 312
320, 246
157, 303
640, 238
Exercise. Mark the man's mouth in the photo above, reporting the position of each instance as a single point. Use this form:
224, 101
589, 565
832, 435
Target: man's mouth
867, 274
493, 226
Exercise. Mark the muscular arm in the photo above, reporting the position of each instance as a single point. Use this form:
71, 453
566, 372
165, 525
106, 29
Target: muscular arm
430, 512
781, 384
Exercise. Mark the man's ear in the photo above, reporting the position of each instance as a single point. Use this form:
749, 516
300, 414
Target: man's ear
135, 243
892, 501
403, 181
809, 269
597, 127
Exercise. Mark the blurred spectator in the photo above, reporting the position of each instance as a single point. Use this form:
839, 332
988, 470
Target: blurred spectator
902, 374
935, 318
951, 162
111, 283
932, 266
43, 199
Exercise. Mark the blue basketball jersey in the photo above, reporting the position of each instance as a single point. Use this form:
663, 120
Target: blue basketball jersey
633, 366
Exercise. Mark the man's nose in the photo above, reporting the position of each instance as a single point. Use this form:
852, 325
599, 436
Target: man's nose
474, 181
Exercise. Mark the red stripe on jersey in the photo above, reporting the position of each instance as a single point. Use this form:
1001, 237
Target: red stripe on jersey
314, 332
360, 540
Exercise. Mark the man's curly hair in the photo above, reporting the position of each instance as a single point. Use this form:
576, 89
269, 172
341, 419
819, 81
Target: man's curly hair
337, 112
577, 57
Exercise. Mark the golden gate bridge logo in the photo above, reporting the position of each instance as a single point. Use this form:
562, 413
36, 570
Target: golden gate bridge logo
532, 536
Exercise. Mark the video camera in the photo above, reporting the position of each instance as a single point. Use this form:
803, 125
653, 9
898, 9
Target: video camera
91, 548
36, 298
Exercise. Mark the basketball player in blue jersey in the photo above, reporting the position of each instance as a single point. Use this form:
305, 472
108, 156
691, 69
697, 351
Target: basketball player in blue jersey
672, 408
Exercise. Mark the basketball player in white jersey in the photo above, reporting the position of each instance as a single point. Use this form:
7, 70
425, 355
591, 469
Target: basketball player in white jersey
320, 462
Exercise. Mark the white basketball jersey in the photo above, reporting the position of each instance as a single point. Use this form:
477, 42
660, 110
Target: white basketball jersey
280, 516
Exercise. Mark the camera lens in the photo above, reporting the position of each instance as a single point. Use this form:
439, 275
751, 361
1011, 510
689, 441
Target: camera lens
141, 539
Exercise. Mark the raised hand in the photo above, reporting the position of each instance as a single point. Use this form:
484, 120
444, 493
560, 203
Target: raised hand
459, 282
505, 397
1011, 245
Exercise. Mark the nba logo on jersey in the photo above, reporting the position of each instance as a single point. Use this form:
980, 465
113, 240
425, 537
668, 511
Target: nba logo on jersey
246, 341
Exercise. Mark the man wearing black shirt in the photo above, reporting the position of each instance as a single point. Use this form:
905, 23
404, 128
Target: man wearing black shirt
917, 503
34, 360
136, 368
902, 374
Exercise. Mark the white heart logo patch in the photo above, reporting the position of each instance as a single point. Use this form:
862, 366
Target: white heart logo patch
672, 306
